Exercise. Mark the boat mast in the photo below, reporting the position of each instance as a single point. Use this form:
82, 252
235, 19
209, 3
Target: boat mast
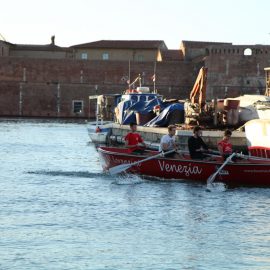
154, 77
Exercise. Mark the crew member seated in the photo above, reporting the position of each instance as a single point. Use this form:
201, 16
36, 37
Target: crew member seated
134, 141
225, 146
167, 142
196, 146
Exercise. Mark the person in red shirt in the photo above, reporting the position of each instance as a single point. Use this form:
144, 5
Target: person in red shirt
225, 146
134, 141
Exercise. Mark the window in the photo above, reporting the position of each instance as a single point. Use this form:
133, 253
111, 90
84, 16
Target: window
140, 58
105, 56
248, 51
84, 56
134, 99
77, 106
142, 98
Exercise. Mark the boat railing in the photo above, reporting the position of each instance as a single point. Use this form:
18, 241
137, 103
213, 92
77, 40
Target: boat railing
259, 151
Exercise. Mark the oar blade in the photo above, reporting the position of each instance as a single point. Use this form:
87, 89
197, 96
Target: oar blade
211, 179
118, 169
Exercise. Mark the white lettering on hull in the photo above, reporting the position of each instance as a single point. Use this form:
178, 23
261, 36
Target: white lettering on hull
116, 160
187, 170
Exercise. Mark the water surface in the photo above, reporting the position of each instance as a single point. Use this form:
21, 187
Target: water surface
59, 211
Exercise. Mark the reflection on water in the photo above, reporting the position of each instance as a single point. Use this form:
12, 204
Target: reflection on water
58, 210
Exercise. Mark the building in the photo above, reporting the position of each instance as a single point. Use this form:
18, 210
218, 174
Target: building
53, 81
4, 48
47, 51
121, 50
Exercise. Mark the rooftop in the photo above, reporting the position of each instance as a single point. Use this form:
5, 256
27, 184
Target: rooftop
124, 44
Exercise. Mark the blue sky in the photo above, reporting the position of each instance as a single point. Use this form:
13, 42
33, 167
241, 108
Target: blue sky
81, 21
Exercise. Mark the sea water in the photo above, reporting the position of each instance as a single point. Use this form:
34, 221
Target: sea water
58, 210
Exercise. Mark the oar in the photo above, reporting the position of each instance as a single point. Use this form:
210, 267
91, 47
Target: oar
123, 167
212, 177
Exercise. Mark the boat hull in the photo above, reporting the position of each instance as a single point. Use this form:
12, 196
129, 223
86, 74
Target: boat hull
102, 135
241, 173
258, 132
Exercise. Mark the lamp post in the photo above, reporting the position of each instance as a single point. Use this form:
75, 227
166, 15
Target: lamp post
97, 108
21, 99
58, 99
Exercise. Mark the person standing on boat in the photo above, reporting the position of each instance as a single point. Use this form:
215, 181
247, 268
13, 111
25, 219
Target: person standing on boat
134, 141
167, 142
196, 146
225, 146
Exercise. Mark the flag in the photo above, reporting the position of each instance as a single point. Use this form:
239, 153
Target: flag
153, 78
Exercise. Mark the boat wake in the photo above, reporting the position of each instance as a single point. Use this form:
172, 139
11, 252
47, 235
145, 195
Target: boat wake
81, 174
128, 179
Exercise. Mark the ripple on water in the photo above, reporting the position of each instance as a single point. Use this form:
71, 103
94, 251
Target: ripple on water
58, 210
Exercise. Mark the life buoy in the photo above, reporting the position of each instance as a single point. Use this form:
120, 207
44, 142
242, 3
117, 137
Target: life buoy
132, 91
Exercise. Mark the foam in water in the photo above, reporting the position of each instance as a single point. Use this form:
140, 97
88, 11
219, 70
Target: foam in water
127, 179
216, 187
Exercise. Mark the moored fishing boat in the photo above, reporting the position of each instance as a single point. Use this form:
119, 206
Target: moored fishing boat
249, 171
100, 130
99, 133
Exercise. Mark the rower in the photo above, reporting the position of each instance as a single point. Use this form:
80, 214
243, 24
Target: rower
134, 141
167, 143
225, 146
196, 146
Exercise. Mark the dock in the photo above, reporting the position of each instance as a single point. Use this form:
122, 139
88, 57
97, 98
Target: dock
152, 136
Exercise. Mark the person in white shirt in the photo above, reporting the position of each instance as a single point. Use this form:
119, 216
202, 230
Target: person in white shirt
167, 142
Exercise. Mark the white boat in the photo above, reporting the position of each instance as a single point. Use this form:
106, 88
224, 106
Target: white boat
258, 137
258, 132
99, 132
99, 138
253, 107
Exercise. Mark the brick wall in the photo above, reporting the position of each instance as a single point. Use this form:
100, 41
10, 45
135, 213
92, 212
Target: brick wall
45, 87
238, 74
30, 86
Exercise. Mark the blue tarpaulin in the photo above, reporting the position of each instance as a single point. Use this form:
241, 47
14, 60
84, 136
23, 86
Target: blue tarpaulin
163, 118
128, 111
122, 107
129, 108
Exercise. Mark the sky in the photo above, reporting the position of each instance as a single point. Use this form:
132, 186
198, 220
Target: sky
82, 21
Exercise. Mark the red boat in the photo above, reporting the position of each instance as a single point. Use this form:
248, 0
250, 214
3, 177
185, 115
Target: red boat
249, 171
